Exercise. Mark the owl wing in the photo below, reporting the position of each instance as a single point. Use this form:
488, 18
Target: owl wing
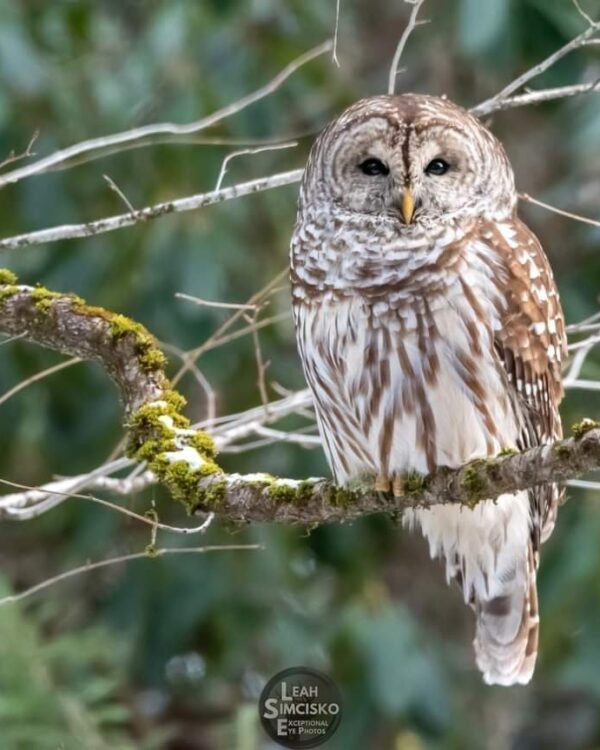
531, 345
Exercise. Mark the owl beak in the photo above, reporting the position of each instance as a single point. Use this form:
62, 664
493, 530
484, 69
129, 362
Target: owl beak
407, 206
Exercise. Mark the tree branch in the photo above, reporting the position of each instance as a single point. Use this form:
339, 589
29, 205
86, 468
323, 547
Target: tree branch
183, 459
410, 27
534, 97
262, 498
190, 203
147, 554
138, 136
497, 101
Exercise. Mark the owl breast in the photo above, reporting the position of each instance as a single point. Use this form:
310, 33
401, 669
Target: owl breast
405, 389
409, 388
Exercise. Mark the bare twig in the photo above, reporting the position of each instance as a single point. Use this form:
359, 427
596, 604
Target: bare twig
217, 338
496, 102
583, 14
147, 554
584, 484
251, 327
246, 151
559, 211
279, 436
110, 224
207, 390
584, 385
534, 97
36, 378
410, 27
10, 339
209, 303
116, 189
148, 520
334, 54
261, 365
13, 157
129, 137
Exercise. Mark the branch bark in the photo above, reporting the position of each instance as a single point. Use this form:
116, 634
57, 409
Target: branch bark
261, 498
120, 221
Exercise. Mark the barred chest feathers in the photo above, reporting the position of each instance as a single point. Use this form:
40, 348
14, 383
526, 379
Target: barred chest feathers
409, 381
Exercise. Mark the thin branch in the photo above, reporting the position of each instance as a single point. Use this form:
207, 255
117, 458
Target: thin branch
583, 14
410, 27
149, 521
212, 342
584, 385
28, 153
10, 339
207, 390
209, 303
559, 211
251, 151
227, 431
148, 554
129, 137
190, 203
37, 377
576, 365
334, 55
261, 365
584, 484
495, 103
116, 189
280, 436
535, 97
246, 330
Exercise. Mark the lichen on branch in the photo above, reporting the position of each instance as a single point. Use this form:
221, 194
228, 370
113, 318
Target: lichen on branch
158, 432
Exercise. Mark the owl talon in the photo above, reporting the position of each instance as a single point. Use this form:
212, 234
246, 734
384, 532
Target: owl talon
382, 483
398, 486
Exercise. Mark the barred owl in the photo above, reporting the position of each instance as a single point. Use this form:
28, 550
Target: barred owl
431, 333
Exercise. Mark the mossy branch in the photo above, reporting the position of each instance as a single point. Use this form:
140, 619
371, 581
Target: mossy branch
260, 498
157, 430
183, 459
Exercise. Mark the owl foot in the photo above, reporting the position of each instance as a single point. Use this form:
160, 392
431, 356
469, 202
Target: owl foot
382, 483
398, 487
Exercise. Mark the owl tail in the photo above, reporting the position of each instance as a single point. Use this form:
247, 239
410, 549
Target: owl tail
506, 636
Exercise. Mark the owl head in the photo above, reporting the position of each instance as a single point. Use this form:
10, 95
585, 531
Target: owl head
418, 161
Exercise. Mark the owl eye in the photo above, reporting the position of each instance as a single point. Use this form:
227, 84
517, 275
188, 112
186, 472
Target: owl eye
437, 167
373, 167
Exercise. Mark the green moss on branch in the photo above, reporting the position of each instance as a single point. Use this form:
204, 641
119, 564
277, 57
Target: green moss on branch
7, 277
179, 457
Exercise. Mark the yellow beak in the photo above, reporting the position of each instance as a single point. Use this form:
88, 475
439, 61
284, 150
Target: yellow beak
407, 206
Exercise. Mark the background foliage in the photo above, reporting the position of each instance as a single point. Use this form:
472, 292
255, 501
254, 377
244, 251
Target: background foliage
173, 653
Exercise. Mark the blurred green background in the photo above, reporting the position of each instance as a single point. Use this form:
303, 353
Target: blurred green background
173, 653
